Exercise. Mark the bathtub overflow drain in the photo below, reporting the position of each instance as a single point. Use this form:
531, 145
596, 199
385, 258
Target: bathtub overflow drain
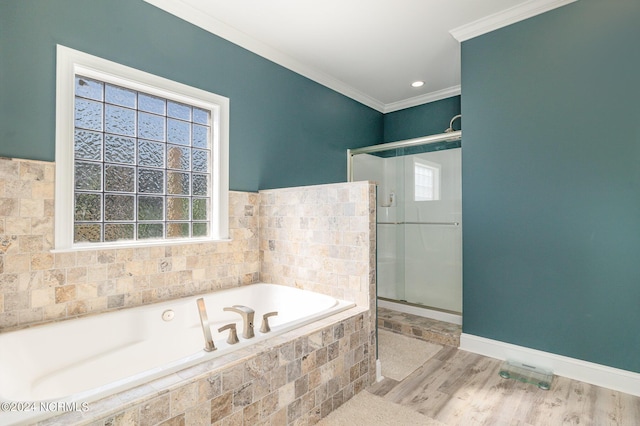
168, 315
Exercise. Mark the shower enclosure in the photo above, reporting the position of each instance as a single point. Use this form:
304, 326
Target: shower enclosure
419, 217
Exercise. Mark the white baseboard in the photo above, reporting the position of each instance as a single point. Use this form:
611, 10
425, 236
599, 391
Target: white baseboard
584, 371
421, 312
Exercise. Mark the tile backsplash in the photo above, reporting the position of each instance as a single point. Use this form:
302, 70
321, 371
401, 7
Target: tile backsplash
320, 238
37, 285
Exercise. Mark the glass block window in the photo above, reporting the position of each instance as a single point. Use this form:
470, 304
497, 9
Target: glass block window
141, 165
426, 182
140, 160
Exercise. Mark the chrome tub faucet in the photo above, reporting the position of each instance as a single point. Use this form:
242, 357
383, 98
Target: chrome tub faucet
247, 317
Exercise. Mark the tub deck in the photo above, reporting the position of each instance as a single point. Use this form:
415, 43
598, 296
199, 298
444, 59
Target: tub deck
124, 354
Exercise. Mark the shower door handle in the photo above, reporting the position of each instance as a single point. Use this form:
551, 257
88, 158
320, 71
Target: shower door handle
421, 223
434, 223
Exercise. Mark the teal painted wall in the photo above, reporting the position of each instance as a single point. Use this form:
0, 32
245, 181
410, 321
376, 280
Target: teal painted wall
285, 130
551, 161
421, 120
551, 183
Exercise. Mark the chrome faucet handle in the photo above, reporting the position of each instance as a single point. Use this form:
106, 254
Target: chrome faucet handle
204, 321
265, 321
233, 336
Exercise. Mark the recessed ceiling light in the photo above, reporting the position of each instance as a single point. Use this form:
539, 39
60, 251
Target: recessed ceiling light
417, 84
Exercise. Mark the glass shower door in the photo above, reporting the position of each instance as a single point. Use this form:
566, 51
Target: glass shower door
433, 229
419, 232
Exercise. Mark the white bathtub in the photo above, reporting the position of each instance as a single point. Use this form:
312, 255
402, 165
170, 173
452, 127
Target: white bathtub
85, 359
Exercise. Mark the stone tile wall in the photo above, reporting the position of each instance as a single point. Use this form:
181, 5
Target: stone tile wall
320, 238
38, 286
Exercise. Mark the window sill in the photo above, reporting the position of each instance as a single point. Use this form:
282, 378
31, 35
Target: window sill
137, 244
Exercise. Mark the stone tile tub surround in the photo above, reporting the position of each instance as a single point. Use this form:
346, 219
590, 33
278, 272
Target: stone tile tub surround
296, 378
80, 361
37, 286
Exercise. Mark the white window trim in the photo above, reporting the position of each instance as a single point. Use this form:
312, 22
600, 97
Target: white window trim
71, 62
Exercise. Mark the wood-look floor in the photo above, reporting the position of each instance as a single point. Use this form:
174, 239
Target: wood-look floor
457, 387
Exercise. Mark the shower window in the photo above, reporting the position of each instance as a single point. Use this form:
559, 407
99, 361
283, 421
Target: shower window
148, 164
426, 181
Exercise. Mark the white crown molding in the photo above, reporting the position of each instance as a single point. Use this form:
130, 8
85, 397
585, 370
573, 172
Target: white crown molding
422, 99
209, 23
506, 17
588, 372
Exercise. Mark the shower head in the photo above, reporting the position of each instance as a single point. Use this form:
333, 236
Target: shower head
450, 129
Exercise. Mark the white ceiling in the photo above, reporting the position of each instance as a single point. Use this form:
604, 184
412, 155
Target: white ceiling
369, 50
